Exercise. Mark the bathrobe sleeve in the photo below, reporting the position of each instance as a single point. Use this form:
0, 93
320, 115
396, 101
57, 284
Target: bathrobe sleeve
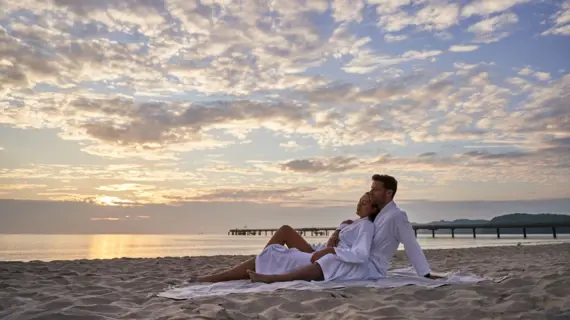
405, 234
360, 251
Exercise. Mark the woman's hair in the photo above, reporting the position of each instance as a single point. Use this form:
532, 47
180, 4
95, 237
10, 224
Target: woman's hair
374, 207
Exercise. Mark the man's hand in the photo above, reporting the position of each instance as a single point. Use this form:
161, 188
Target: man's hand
347, 221
319, 254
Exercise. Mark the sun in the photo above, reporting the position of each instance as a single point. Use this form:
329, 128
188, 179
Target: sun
113, 201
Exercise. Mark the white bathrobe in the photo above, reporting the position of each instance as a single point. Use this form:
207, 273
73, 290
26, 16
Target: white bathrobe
392, 227
351, 261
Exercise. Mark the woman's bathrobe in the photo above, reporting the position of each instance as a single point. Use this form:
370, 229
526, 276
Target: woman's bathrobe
349, 263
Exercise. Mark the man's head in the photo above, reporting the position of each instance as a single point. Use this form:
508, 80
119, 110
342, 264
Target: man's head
383, 189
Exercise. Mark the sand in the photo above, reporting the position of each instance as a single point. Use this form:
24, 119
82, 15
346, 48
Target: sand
539, 288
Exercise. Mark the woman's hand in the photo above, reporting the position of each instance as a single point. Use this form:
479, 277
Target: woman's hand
319, 254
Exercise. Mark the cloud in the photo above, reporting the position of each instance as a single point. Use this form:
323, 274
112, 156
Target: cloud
120, 128
488, 7
336, 164
427, 154
522, 84
21, 186
386, 7
230, 170
544, 76
366, 61
560, 21
127, 173
395, 38
111, 201
120, 218
126, 187
347, 10
210, 63
147, 120
492, 29
547, 162
463, 48
63, 189
265, 194
160, 85
153, 123
291, 145
433, 16
525, 71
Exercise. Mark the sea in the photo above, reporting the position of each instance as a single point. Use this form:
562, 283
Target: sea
49, 247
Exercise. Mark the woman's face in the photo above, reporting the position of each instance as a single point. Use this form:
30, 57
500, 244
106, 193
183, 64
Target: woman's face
364, 207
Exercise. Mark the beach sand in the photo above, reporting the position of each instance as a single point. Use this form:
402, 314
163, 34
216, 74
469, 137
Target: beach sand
539, 288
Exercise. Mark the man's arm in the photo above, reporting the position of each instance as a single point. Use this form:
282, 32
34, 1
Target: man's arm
360, 249
405, 235
358, 253
333, 240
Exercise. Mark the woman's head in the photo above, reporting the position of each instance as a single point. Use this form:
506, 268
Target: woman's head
366, 208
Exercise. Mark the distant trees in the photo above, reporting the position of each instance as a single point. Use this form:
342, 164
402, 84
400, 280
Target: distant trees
512, 218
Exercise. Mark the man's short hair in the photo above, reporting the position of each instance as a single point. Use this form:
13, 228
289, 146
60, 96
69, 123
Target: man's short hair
389, 182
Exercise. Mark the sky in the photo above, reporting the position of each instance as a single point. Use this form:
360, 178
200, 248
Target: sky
219, 113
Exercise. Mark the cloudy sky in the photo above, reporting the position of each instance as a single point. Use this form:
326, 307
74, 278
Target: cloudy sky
285, 105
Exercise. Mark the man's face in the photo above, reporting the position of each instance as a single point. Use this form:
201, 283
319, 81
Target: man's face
380, 195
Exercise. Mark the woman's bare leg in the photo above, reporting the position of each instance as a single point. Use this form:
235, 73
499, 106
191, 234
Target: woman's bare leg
284, 236
289, 237
238, 272
308, 273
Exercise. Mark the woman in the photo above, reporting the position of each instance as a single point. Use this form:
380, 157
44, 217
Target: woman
299, 260
348, 261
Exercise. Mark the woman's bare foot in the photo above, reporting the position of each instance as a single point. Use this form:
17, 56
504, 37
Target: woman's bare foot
256, 277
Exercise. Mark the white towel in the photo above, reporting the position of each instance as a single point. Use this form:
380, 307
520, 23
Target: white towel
395, 278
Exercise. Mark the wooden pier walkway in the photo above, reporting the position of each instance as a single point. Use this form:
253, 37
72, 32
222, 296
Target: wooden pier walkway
324, 231
318, 231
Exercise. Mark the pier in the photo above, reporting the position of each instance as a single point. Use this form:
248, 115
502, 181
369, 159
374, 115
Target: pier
496, 226
324, 231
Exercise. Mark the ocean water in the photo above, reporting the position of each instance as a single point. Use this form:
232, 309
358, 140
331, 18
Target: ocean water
27, 247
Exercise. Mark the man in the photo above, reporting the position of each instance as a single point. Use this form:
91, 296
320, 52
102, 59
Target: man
392, 227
